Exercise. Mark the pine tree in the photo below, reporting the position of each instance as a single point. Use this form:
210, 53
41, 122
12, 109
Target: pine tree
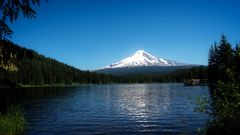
11, 9
223, 67
213, 64
225, 57
237, 62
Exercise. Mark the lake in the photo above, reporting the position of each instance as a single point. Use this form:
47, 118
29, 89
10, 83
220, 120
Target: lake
116, 109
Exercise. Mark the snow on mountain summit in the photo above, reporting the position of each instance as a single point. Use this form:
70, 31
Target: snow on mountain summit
142, 58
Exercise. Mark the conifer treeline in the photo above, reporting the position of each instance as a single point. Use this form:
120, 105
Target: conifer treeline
36, 69
224, 62
224, 78
27, 67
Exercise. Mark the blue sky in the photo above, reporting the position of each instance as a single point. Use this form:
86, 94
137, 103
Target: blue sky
89, 34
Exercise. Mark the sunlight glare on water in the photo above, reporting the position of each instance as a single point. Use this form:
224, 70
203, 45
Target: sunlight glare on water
118, 109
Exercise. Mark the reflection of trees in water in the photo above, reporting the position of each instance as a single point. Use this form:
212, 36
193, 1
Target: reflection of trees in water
20, 95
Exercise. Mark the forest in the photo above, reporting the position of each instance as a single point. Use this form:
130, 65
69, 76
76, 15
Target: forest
27, 67
224, 84
22, 66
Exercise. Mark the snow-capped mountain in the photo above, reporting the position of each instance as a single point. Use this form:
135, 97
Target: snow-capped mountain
143, 58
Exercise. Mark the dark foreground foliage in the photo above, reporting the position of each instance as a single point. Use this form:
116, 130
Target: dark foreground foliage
224, 69
12, 122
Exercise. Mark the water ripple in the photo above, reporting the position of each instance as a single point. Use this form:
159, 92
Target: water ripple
117, 109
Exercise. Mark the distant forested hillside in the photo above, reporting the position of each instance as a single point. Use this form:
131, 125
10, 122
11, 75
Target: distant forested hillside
25, 66
144, 70
178, 75
22, 66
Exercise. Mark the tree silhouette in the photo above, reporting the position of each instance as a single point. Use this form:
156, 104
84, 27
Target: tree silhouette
10, 11
224, 76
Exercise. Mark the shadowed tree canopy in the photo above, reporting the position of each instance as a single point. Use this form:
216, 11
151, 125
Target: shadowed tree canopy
10, 11
221, 61
224, 79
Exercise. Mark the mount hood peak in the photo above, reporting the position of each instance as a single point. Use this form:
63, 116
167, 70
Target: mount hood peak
143, 58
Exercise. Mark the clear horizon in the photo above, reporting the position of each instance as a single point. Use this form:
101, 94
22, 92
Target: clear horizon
90, 34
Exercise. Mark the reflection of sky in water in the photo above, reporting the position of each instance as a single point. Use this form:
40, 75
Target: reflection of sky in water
140, 101
152, 105
120, 109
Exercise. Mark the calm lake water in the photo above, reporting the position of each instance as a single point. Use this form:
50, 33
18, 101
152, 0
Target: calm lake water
113, 109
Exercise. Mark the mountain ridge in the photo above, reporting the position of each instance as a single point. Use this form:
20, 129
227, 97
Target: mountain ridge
143, 58
142, 62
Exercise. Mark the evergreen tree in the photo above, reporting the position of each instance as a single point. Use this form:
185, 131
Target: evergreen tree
10, 11
225, 57
220, 61
212, 64
237, 62
223, 68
